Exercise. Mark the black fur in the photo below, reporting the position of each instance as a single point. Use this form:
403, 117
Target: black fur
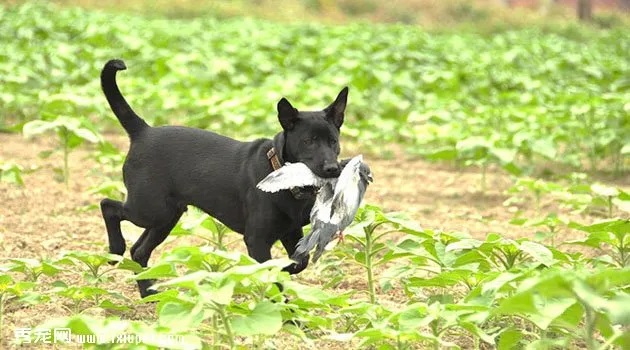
168, 168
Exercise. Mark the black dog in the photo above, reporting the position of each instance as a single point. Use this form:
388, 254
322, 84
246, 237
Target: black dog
168, 168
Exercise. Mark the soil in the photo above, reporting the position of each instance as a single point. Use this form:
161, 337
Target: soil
43, 219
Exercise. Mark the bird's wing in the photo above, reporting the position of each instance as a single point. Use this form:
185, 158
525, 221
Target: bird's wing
288, 176
323, 201
346, 192
345, 219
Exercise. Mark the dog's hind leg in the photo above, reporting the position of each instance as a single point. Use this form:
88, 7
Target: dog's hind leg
138, 243
289, 242
148, 241
113, 214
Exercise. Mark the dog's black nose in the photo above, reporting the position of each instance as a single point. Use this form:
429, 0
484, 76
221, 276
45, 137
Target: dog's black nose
331, 169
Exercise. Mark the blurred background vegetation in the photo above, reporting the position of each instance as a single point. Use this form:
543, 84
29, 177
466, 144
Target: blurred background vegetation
536, 89
511, 83
482, 15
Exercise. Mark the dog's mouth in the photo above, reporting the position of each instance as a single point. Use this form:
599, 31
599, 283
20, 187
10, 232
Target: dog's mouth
327, 175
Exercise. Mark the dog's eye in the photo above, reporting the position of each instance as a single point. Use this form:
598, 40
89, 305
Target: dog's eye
333, 142
307, 141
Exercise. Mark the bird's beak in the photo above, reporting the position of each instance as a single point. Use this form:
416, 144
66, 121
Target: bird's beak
370, 178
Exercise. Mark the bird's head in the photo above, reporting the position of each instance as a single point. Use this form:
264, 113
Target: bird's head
361, 169
365, 173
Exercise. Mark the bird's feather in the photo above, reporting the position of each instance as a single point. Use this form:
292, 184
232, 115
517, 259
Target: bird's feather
290, 175
347, 196
324, 235
321, 207
304, 246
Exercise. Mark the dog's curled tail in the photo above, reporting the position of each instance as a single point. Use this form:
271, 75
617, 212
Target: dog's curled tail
132, 123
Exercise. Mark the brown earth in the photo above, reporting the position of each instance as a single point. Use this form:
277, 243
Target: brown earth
43, 219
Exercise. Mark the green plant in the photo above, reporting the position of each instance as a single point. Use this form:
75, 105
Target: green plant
365, 234
608, 197
457, 290
32, 269
552, 222
514, 87
231, 292
70, 132
17, 291
200, 224
611, 237
538, 189
11, 173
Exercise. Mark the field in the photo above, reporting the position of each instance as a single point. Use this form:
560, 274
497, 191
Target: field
498, 217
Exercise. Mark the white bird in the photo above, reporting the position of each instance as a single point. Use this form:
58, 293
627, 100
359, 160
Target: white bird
336, 203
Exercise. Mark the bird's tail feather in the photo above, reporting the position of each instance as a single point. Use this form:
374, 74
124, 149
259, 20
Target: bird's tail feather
304, 246
327, 230
307, 243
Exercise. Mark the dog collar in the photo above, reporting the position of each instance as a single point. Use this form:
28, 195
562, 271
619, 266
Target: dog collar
297, 192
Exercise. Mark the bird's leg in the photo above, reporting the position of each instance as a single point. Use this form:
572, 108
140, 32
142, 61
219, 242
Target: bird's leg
340, 236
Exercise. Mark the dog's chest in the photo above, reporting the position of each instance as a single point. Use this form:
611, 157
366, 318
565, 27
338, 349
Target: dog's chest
298, 211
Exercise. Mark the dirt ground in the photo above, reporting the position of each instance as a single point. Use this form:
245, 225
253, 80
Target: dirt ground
42, 219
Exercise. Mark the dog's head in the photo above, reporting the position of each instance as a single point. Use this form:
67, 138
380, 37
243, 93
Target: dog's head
313, 137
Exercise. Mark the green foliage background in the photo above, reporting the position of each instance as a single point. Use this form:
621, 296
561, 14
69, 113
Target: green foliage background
527, 93
514, 98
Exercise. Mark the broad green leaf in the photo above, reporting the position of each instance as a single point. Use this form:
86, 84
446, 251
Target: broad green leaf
179, 317
163, 270
37, 127
220, 292
538, 252
265, 319
109, 305
604, 190
130, 265
509, 339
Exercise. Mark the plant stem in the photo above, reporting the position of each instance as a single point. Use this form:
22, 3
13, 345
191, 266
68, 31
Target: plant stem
434, 329
66, 171
1, 315
226, 325
590, 328
622, 255
484, 169
610, 207
215, 326
368, 262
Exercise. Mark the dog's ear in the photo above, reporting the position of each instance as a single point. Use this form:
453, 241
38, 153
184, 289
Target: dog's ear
336, 110
287, 115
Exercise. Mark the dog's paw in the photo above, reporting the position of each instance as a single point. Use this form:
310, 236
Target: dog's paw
147, 292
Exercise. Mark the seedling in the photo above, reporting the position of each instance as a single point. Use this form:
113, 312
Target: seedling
537, 188
11, 173
364, 233
552, 222
609, 237
71, 133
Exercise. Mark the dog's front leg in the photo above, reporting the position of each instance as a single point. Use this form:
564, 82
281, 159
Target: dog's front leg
258, 246
289, 242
